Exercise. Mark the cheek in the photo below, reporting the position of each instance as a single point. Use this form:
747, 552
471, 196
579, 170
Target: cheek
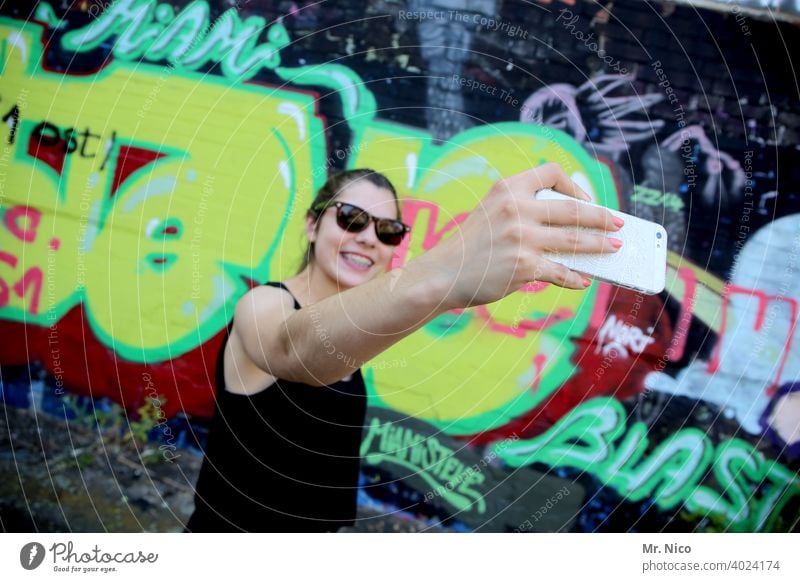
332, 240
387, 257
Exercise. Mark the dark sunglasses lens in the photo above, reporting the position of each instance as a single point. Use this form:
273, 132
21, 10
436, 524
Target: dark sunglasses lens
390, 232
351, 218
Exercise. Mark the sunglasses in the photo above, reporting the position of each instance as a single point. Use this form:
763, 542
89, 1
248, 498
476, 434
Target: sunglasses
353, 219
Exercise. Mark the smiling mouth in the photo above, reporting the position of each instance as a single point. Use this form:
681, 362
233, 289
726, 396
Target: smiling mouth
357, 261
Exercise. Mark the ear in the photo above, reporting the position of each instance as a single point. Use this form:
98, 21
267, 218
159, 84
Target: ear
312, 236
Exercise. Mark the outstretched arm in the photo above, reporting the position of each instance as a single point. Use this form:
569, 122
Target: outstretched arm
495, 252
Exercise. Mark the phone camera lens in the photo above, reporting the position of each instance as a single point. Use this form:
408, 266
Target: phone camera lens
658, 235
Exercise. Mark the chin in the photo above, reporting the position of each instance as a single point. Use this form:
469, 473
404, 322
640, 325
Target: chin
346, 278
354, 279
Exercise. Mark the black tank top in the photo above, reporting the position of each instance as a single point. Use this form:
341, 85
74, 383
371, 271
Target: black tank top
284, 459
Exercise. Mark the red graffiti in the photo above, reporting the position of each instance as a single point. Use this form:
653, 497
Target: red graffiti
677, 346
763, 303
130, 160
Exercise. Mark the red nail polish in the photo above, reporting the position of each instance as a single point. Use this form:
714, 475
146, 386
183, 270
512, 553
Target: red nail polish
618, 221
615, 242
586, 281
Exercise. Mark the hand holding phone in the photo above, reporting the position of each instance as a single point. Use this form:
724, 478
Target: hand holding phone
640, 264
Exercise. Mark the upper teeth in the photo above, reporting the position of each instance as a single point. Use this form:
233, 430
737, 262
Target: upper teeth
358, 259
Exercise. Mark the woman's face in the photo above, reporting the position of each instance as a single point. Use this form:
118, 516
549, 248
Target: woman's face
334, 247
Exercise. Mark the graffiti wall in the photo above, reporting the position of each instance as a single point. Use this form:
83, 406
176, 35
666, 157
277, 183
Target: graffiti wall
158, 158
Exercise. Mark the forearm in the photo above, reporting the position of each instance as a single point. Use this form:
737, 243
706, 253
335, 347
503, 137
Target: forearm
328, 340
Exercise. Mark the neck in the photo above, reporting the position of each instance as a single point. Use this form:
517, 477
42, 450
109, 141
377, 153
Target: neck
313, 285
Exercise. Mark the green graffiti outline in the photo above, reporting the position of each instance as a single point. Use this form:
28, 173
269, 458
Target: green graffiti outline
109, 203
619, 465
262, 269
552, 447
359, 106
21, 157
229, 41
231, 274
668, 494
449, 323
45, 13
460, 501
598, 175
743, 512
356, 108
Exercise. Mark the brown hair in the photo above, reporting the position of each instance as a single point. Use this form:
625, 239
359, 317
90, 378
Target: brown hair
331, 189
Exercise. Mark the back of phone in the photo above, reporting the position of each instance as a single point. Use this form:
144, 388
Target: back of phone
640, 264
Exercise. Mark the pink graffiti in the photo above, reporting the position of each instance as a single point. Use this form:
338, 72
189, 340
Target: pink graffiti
8, 259
602, 299
411, 214
526, 325
539, 360
534, 287
716, 162
28, 233
763, 303
598, 113
32, 278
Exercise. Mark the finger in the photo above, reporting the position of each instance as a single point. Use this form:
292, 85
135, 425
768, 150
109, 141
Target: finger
548, 175
568, 213
571, 240
558, 274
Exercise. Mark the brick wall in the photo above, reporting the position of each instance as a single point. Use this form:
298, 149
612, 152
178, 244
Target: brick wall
691, 114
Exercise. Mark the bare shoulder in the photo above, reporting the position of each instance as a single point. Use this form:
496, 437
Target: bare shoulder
257, 316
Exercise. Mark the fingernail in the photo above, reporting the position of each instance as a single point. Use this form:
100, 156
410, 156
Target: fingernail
587, 197
586, 281
615, 242
618, 221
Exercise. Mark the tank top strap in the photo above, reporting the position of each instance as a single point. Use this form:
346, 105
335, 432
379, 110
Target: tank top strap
282, 286
219, 378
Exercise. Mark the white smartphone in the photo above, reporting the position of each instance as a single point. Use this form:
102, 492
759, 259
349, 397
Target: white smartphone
640, 264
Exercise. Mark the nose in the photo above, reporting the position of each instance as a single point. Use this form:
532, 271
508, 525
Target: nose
368, 236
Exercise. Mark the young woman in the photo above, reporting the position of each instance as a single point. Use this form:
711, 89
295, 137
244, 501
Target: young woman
283, 450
